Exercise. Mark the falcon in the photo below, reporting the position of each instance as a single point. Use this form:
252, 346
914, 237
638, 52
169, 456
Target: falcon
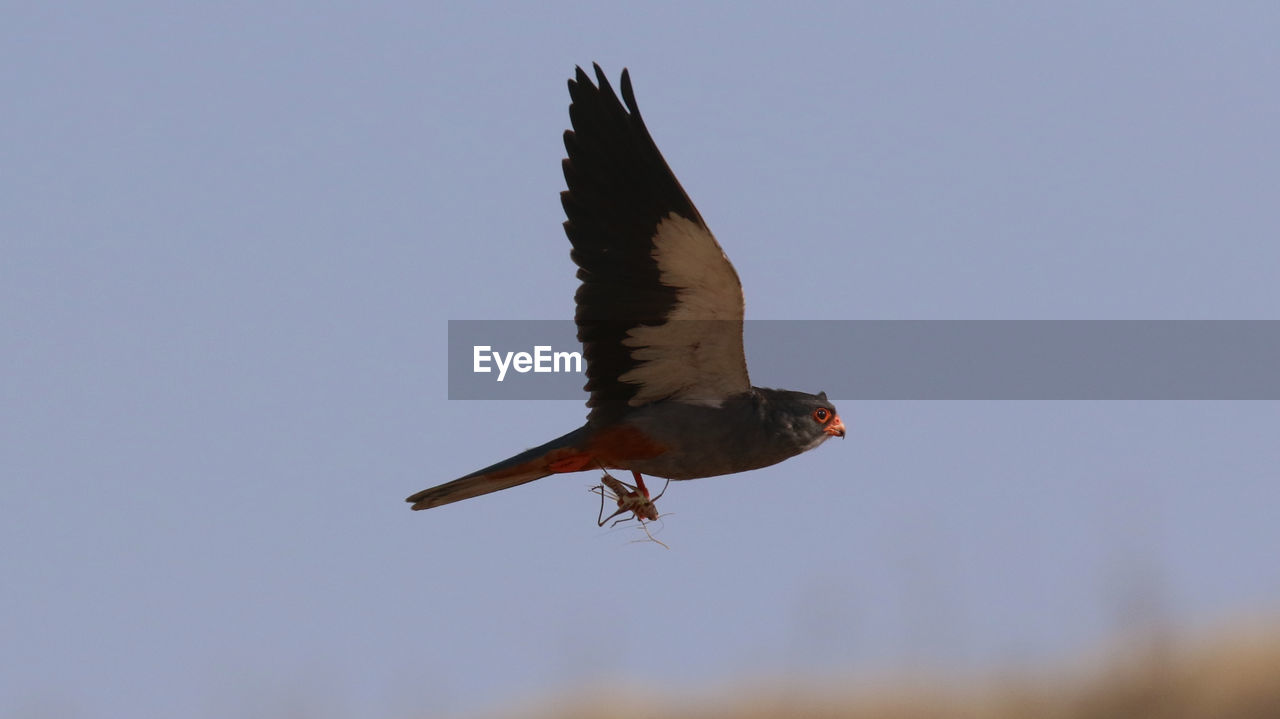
659, 314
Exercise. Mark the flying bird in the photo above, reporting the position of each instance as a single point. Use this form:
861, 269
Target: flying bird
659, 314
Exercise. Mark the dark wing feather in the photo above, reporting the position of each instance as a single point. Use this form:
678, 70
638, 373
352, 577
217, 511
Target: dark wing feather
659, 310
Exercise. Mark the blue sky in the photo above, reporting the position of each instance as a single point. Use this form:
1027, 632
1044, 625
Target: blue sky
233, 235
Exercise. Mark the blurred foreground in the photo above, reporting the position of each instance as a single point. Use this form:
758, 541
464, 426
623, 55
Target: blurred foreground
1235, 675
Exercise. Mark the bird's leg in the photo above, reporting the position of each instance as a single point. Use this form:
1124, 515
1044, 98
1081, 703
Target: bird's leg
641, 488
640, 483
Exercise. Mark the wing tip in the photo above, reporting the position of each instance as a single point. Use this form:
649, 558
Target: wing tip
581, 80
629, 94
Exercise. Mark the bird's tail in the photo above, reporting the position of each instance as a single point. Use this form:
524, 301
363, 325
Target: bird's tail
558, 455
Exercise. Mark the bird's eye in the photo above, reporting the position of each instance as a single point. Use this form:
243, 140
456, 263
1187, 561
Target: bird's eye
821, 415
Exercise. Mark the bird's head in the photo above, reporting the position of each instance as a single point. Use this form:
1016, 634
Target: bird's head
808, 419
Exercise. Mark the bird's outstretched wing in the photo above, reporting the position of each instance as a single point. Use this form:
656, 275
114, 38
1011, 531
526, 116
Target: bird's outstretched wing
659, 311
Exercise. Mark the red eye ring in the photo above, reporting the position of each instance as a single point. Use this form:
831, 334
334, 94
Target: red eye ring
821, 415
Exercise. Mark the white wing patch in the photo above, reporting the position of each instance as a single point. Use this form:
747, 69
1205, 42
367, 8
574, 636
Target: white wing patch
698, 353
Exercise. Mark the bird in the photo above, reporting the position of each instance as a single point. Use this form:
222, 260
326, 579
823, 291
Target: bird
659, 313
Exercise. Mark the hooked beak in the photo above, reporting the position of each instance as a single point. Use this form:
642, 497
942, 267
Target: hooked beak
835, 427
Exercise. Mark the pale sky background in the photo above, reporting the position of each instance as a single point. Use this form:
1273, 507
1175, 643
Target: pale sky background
232, 238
